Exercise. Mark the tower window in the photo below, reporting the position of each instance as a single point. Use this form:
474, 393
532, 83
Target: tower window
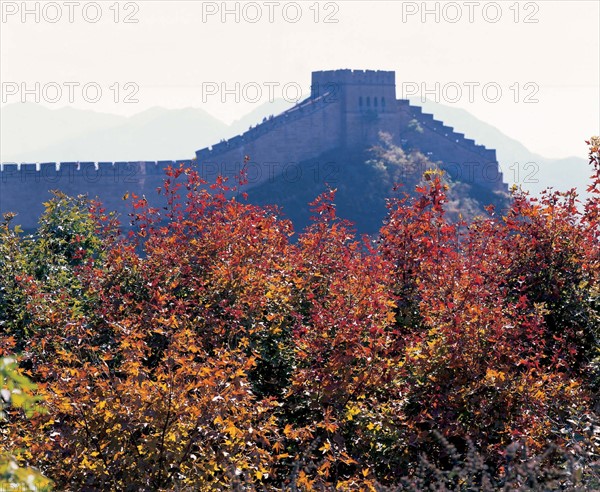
360, 101
368, 102
375, 101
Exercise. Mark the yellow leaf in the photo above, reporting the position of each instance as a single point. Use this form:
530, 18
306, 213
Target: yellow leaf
326, 447
233, 431
351, 412
492, 375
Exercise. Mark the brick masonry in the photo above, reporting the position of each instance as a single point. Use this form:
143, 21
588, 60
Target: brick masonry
346, 110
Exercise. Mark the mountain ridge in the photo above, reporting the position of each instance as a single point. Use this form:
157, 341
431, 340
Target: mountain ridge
70, 134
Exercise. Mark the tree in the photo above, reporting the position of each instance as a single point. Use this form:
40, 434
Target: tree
206, 350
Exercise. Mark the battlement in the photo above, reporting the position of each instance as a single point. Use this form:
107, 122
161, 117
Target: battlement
357, 90
301, 110
25, 187
91, 172
346, 112
429, 122
347, 109
354, 77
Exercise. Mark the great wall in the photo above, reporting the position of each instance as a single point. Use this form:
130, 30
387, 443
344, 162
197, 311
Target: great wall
347, 109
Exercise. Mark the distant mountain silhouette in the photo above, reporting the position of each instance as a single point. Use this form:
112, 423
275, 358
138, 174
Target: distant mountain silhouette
28, 127
154, 134
519, 165
34, 133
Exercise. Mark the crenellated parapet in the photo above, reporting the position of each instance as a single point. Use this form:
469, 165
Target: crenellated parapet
127, 171
355, 107
464, 159
302, 110
276, 143
447, 132
327, 78
345, 112
24, 187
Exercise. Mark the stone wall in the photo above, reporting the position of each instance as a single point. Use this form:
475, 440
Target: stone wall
289, 138
24, 188
346, 110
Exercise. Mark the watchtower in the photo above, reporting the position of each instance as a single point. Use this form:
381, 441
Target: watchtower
365, 97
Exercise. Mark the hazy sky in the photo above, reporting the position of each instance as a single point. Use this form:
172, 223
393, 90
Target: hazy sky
532, 69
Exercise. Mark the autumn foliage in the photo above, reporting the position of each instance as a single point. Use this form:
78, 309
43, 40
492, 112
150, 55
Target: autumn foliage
212, 348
